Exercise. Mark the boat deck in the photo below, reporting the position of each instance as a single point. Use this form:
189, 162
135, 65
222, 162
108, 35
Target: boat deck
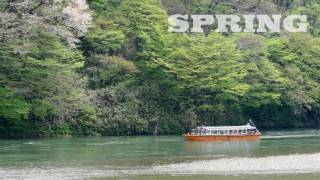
190, 137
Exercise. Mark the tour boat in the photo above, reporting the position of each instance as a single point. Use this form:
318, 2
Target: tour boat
223, 133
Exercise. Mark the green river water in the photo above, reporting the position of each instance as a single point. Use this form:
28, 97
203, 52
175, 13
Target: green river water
278, 155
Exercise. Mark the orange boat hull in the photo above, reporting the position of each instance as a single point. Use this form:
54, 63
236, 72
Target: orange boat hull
221, 137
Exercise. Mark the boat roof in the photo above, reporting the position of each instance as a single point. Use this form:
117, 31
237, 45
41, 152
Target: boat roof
248, 126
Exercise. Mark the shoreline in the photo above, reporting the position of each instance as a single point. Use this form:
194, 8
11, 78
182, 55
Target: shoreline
263, 131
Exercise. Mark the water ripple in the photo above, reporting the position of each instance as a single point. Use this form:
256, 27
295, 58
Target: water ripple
289, 164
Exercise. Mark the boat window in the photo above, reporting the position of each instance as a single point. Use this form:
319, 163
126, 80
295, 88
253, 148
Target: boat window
215, 132
221, 132
245, 131
240, 131
230, 132
226, 131
235, 131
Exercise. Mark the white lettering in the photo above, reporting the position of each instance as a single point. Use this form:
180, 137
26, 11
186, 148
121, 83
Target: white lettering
302, 25
178, 23
228, 20
201, 20
266, 21
249, 23
293, 23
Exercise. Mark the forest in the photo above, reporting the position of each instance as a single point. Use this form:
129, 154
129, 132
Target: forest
111, 68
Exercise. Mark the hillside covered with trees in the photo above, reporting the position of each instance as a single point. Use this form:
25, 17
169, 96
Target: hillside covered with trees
110, 67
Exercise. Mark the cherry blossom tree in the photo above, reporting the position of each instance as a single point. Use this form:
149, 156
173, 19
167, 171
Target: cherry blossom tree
67, 19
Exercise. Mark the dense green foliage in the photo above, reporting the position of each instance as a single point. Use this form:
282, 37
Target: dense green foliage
129, 76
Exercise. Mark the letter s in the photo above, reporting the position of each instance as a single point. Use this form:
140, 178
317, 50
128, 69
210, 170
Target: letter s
178, 23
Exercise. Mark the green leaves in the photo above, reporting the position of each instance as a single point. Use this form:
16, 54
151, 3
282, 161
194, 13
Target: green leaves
14, 113
12, 107
48, 92
108, 70
299, 56
210, 63
103, 41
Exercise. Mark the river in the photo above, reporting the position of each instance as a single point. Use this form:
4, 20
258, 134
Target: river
279, 155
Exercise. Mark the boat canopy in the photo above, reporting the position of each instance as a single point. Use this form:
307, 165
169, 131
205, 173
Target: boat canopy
245, 127
225, 130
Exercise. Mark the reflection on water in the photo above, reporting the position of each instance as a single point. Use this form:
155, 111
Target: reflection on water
224, 148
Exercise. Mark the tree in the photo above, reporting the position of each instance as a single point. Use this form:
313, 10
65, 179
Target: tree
68, 20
